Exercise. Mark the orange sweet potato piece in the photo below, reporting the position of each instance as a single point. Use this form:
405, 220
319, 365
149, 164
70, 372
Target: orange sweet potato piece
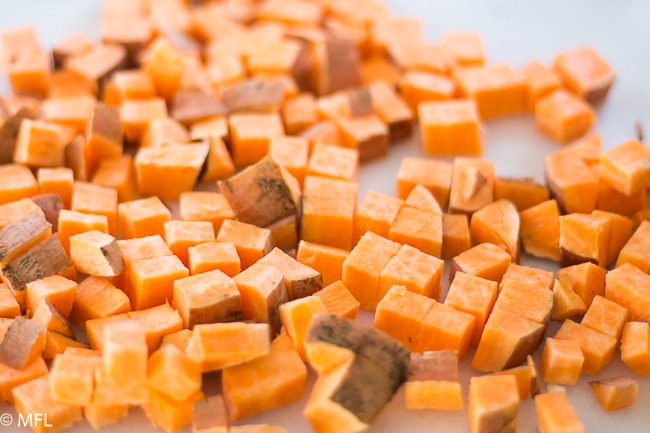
435, 175
22, 234
252, 242
420, 197
561, 361
572, 182
483, 260
23, 342
419, 228
72, 223
497, 223
72, 378
150, 280
472, 185
626, 167
417, 271
635, 347
464, 48
173, 373
597, 348
20, 183
118, 173
376, 213
540, 81
12, 377
584, 238
522, 192
455, 235
555, 413
635, 249
626, 285
563, 116
450, 128
566, 302
94, 199
433, 381
143, 217
325, 259
338, 300
584, 72
492, 402
444, 327
96, 253
540, 230
586, 279
615, 393
605, 316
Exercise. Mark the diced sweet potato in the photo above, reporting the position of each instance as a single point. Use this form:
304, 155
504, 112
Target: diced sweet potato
626, 167
566, 302
96, 253
455, 235
572, 182
563, 116
605, 316
23, 343
584, 72
635, 347
419, 228
597, 348
539, 81
22, 234
472, 185
417, 271
151, 280
338, 300
433, 381
626, 285
555, 413
584, 238
615, 393
143, 217
483, 260
435, 175
493, 403
498, 223
20, 183
252, 242
210, 256
94, 199
13, 377
497, 89
173, 373
300, 279
325, 259
157, 322
522, 192
561, 361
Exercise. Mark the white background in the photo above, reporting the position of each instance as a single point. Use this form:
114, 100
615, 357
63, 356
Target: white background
514, 32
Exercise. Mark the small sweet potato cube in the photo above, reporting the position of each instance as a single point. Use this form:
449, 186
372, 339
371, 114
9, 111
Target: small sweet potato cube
392, 109
610, 200
262, 193
376, 213
157, 322
433, 381
118, 173
219, 345
102, 415
300, 279
205, 206
455, 235
626, 167
167, 413
36, 396
539, 81
400, 314
170, 170
59, 180
561, 361
96, 297
435, 175
472, 185
530, 300
586, 279
145, 247
136, 115
597, 348
615, 393
444, 327
165, 65
605, 316
483, 260
540, 230
566, 302
151, 280
328, 208
563, 117
464, 48
104, 136
252, 242
94, 199
584, 72
497, 89
165, 130
19, 183
189, 106
363, 266
180, 235
299, 113
338, 300
10, 377
94, 66
335, 65
522, 192
418, 87
584, 238
368, 134
30, 73
450, 128
69, 111
635, 347
473, 295
293, 154
251, 135
626, 285
23, 342
263, 290
420, 197
555, 413
72, 378
143, 217
173, 373
296, 315
209, 256
209, 297
73, 223
51, 205
179, 339
95, 332
417, 271
526, 378
96, 253
58, 290
57, 343
22, 234
572, 182
507, 340
325, 259
129, 84
527, 275
324, 131
15, 210
378, 68
493, 401
334, 162
498, 223
9, 307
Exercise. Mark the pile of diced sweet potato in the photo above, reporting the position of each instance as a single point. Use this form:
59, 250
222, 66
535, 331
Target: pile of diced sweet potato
250, 119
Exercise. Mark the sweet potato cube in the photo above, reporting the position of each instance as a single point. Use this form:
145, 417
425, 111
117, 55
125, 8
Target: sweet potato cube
104, 136
635, 347
130, 84
492, 402
360, 274
610, 200
22, 343
165, 65
626, 285
296, 315
10, 377
170, 170
9, 307
526, 377
532, 301
597, 348
292, 153
338, 300
36, 396
563, 117
143, 217
328, 208
58, 290
420, 197
20, 183
368, 134
324, 259
72, 223
584, 238
263, 290
540, 230
464, 48
151, 280
626, 167
497, 89
498, 223
209, 415
30, 73
376, 213
561, 361
173, 373
506, 341
333, 161
539, 81
96, 297
417, 271
157, 322
170, 414
205, 206
96, 253
444, 327
433, 381
605, 316
566, 302
555, 413
527, 275
210, 256
400, 313
165, 130
15, 210
124, 357
450, 128
219, 345
419, 228
209, 297
455, 235
94, 66
251, 242
118, 173
483, 260
59, 180
572, 182
300, 279
615, 393
102, 415
262, 193
251, 135
180, 235
146, 247
522, 192
94, 199
472, 185
418, 87
392, 109
299, 113
584, 72
20, 235
435, 175
335, 65
72, 378
586, 279
473, 295
189, 106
